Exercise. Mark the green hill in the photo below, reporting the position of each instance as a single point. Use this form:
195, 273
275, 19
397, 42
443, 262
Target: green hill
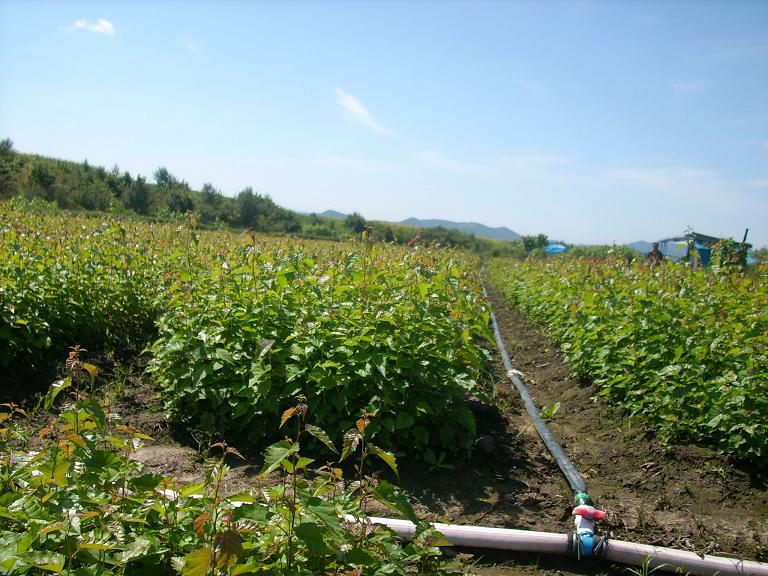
80, 186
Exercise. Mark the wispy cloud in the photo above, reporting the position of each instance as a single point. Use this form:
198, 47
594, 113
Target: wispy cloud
357, 112
533, 160
744, 50
100, 26
688, 87
192, 47
759, 142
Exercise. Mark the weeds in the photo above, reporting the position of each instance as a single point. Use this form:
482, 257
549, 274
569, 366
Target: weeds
645, 568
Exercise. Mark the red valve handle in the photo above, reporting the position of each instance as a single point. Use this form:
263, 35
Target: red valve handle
589, 512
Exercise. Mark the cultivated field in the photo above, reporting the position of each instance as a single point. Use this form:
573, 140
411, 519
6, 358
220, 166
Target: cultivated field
686, 352
291, 354
354, 348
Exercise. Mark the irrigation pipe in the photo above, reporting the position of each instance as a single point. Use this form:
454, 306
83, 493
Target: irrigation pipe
575, 479
614, 550
620, 551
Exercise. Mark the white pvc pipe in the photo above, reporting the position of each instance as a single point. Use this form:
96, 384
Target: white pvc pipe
482, 537
667, 559
670, 559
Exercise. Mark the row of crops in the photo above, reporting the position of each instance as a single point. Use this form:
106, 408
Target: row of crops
74, 502
353, 348
345, 351
237, 326
684, 351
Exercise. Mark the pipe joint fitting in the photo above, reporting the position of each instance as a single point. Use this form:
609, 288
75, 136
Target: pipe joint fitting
585, 519
587, 545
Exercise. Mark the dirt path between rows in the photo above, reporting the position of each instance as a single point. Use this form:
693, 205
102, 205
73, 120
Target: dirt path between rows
685, 497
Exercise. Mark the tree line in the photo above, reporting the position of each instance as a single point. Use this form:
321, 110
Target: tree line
73, 185
78, 185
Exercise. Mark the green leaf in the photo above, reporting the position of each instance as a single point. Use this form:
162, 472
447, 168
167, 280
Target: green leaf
325, 512
404, 420
257, 512
95, 546
146, 482
312, 535
60, 473
292, 372
191, 489
276, 453
351, 440
4, 513
91, 369
671, 369
388, 457
394, 498
93, 408
139, 548
242, 497
716, 421
320, 434
55, 389
50, 561
359, 557
303, 463
197, 563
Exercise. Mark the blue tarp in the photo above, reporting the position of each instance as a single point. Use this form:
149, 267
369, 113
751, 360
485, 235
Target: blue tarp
555, 249
705, 253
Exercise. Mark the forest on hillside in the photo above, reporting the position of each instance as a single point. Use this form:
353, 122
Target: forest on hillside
81, 186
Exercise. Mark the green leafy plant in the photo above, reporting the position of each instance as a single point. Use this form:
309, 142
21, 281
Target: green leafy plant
396, 332
75, 503
684, 352
237, 325
549, 412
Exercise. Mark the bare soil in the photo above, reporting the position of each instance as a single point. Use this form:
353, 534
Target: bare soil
685, 497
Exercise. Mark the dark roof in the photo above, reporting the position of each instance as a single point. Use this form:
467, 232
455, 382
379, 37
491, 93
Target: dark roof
697, 237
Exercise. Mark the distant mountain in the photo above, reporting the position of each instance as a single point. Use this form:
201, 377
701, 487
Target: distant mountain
333, 214
480, 230
640, 246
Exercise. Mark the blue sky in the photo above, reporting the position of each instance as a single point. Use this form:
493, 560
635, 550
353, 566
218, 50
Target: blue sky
591, 122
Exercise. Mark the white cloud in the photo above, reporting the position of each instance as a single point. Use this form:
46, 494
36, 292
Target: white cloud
356, 111
193, 47
101, 26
